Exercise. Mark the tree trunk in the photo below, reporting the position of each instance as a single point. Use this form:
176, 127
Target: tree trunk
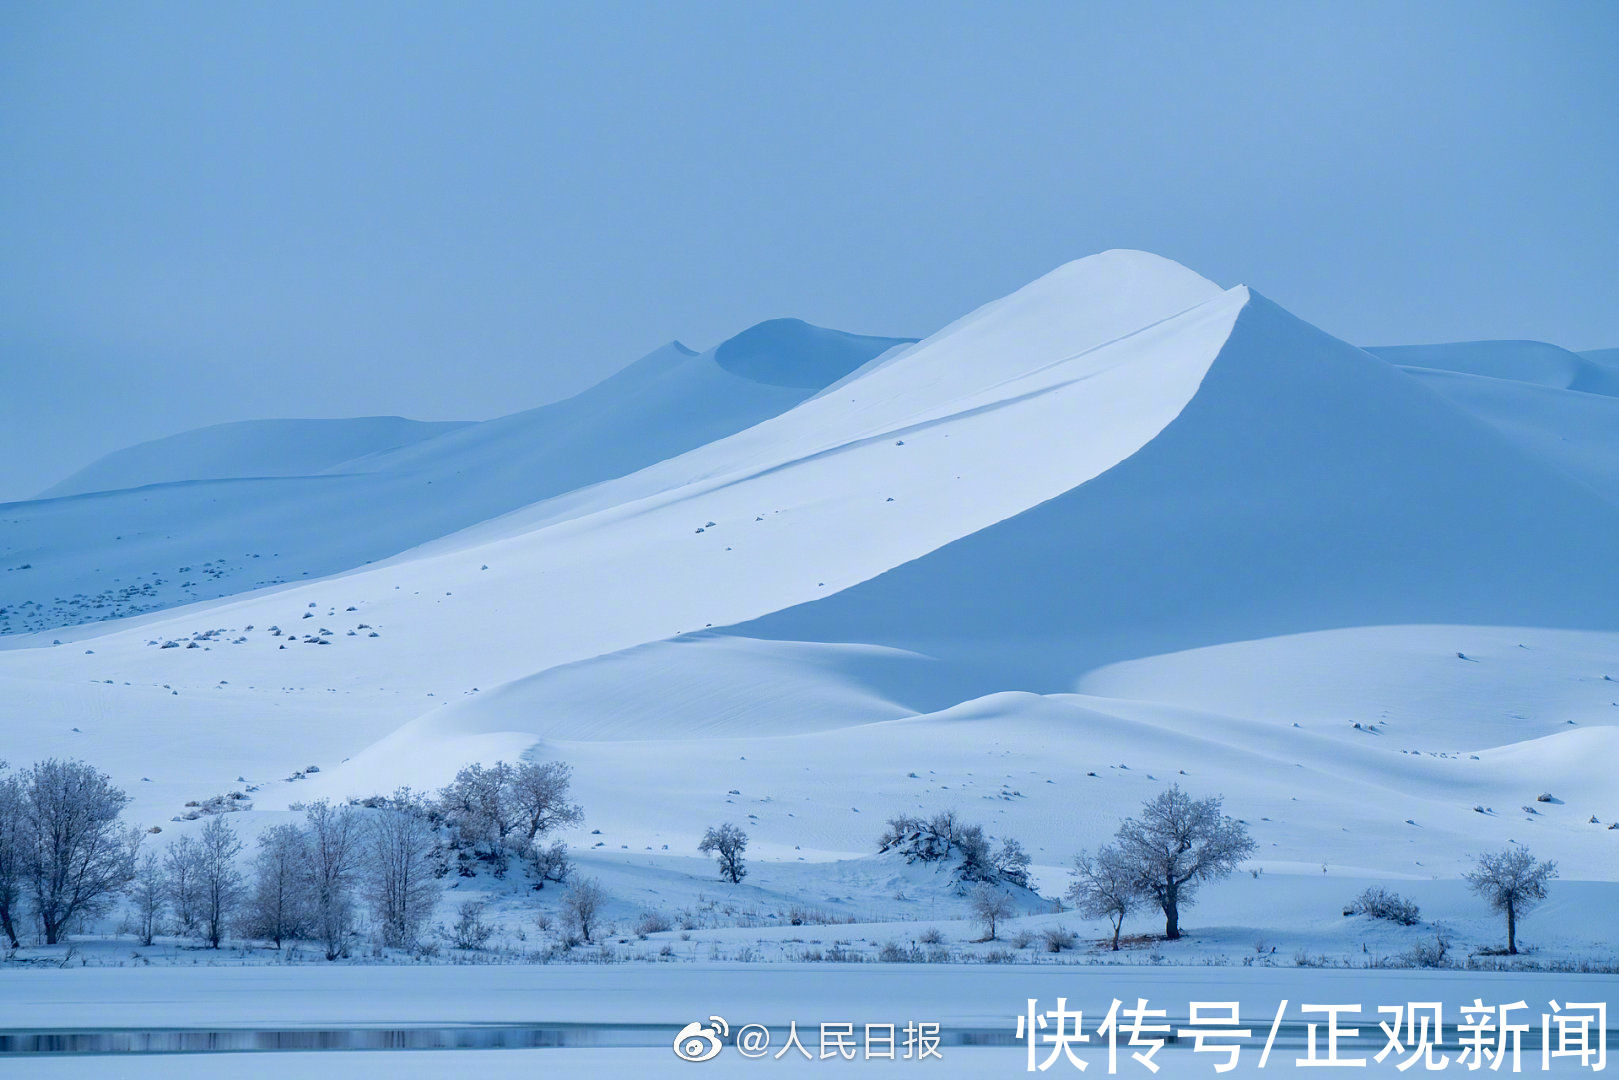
1117, 925
10, 930
1512, 931
1172, 914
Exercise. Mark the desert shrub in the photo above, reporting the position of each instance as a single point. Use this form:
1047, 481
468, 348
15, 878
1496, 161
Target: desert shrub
945, 836
470, 932
582, 906
549, 863
652, 922
1058, 938
1379, 903
803, 916
1428, 954
892, 952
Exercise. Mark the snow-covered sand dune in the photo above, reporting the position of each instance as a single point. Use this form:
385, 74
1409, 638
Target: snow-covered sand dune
246, 449
1121, 522
217, 511
1533, 362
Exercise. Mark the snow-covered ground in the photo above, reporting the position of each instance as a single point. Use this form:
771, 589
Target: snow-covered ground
1121, 529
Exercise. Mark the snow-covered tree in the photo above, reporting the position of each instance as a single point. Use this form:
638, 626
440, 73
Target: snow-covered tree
989, 906
582, 904
1012, 863
1512, 882
401, 869
181, 875
1176, 845
726, 843
219, 882
502, 809
278, 906
78, 857
333, 834
539, 797
477, 805
149, 895
1104, 886
13, 851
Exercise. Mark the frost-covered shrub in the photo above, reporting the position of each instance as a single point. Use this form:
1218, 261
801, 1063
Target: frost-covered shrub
1428, 954
919, 839
892, 952
549, 863
945, 836
1379, 903
652, 922
1011, 862
582, 906
1058, 938
470, 932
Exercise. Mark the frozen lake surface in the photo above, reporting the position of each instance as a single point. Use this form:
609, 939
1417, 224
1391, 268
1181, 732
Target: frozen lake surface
622, 1019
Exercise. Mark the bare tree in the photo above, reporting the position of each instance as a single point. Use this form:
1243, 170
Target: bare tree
79, 858
181, 873
402, 882
989, 906
219, 882
1513, 883
1104, 887
539, 796
1176, 845
278, 909
726, 843
13, 851
582, 904
149, 893
334, 856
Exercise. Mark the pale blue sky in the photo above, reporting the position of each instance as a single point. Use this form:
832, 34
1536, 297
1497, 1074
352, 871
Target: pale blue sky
217, 211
